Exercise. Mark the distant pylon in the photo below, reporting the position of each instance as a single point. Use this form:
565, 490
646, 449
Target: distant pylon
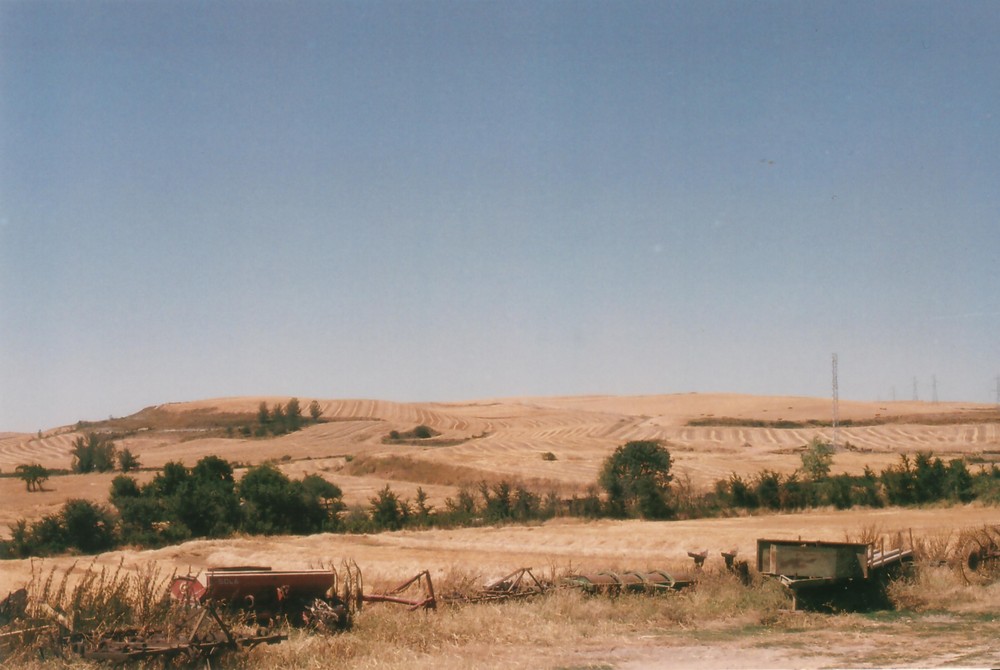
836, 406
934, 398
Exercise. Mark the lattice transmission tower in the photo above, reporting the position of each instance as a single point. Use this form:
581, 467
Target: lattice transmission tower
836, 406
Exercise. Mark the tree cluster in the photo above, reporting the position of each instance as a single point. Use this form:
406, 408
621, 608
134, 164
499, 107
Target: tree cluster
182, 503
80, 525
281, 419
913, 481
93, 452
635, 481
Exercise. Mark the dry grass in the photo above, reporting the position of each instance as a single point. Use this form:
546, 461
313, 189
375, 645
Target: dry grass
717, 620
524, 634
407, 469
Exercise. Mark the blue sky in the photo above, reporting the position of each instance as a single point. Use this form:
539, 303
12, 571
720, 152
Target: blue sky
456, 200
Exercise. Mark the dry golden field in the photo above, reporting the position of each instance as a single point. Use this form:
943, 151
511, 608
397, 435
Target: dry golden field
490, 439
506, 438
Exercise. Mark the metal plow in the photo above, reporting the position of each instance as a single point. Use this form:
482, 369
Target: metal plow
614, 583
520, 584
418, 592
421, 585
200, 643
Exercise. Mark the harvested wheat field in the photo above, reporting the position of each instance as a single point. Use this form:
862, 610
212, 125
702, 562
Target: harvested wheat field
949, 621
506, 438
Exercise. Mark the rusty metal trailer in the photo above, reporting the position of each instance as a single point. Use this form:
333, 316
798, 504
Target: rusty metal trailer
831, 575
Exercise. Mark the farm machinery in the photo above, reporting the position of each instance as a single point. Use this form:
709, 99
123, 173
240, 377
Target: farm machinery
302, 597
832, 575
237, 607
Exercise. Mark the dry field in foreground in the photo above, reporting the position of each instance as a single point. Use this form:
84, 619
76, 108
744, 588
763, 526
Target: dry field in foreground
947, 621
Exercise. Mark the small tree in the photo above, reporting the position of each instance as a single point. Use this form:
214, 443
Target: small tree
127, 461
279, 425
33, 476
423, 509
315, 411
324, 502
89, 527
388, 511
637, 479
293, 415
817, 459
929, 478
263, 415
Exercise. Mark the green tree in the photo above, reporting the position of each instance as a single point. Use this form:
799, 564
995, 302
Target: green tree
898, 482
93, 453
817, 459
206, 502
89, 527
958, 481
33, 475
293, 415
138, 511
462, 508
739, 492
497, 503
19, 545
315, 411
272, 503
47, 536
127, 461
263, 415
388, 511
279, 423
170, 480
636, 478
767, 489
838, 491
324, 502
124, 487
526, 505
929, 478
424, 511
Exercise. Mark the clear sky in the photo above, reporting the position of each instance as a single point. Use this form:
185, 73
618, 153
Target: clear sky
440, 201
